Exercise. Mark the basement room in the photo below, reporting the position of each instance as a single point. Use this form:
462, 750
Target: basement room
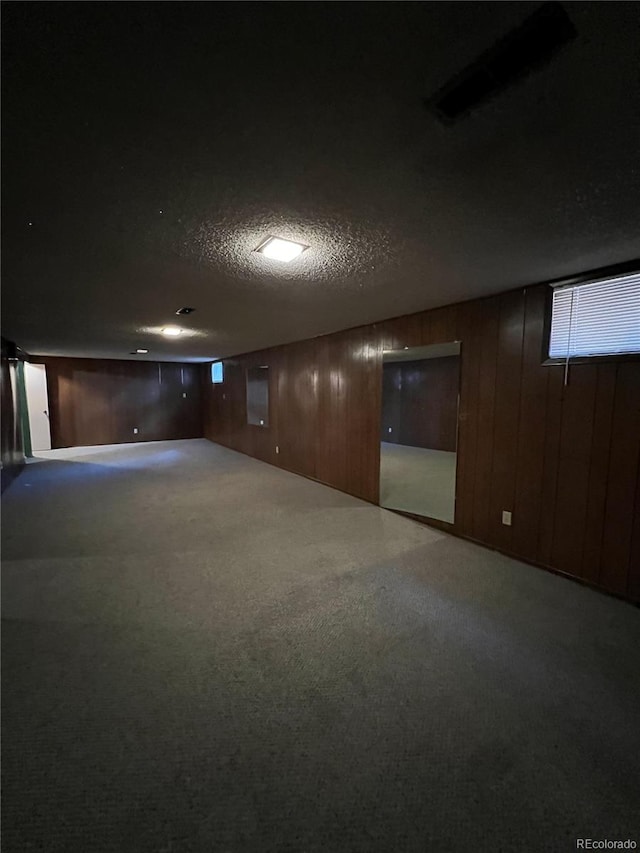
320, 427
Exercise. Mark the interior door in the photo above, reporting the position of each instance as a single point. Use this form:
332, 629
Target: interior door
35, 380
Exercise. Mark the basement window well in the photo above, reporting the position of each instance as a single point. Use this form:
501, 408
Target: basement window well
217, 373
596, 318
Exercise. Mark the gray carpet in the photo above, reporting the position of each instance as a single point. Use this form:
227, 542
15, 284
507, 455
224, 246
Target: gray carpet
204, 653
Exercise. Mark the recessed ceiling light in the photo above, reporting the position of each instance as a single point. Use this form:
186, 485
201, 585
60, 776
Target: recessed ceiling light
281, 250
171, 331
142, 351
185, 310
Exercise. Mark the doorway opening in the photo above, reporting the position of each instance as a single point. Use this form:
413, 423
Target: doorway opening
35, 380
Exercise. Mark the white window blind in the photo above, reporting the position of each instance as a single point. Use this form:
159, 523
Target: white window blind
596, 318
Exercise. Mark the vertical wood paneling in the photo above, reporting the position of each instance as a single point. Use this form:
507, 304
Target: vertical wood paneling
102, 401
145, 404
506, 417
412, 332
371, 379
332, 436
531, 428
360, 417
94, 421
561, 459
633, 590
598, 470
622, 480
552, 431
392, 334
298, 397
574, 457
470, 335
170, 403
61, 406
481, 523
443, 325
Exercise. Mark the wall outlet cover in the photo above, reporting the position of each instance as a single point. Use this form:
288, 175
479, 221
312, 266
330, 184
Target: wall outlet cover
506, 518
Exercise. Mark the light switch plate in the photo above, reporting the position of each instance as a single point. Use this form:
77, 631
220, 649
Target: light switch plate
506, 518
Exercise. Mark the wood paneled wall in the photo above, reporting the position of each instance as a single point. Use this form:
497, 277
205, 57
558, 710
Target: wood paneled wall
563, 460
101, 401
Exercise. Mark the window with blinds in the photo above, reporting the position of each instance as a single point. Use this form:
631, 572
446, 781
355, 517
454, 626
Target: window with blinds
596, 318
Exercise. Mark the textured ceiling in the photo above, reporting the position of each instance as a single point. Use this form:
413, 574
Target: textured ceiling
153, 146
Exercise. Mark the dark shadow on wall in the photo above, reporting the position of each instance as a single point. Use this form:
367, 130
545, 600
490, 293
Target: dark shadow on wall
12, 448
110, 401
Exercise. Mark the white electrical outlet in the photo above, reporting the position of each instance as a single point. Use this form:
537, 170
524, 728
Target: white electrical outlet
506, 518
277, 449
135, 430
390, 430
184, 394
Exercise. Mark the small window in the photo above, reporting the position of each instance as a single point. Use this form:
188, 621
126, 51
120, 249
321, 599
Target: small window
597, 318
258, 396
217, 372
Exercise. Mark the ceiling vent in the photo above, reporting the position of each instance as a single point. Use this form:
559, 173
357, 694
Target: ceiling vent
523, 50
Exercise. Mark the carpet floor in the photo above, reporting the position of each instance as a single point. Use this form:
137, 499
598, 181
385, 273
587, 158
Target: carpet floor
204, 653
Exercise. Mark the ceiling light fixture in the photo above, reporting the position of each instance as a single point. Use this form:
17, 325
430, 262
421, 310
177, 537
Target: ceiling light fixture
281, 250
171, 331
142, 351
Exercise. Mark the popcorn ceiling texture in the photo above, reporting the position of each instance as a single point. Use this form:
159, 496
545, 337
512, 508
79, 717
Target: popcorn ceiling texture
338, 248
153, 146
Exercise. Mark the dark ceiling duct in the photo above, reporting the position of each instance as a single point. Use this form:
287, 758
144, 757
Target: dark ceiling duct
523, 50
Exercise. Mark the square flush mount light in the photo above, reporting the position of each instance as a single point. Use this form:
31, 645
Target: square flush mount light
281, 250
